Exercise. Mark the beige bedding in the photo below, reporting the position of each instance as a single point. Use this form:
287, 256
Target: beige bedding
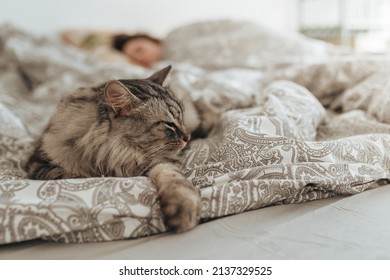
274, 144
343, 227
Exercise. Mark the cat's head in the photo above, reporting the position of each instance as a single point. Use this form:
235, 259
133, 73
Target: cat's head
146, 114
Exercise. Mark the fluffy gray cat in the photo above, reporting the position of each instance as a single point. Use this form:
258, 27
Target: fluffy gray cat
121, 128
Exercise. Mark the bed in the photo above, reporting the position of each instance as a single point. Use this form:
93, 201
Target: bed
295, 167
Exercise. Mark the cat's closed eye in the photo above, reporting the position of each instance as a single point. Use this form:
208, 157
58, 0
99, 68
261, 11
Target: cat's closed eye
175, 133
171, 131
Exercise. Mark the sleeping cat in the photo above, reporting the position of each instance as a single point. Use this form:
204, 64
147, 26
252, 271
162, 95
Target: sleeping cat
121, 128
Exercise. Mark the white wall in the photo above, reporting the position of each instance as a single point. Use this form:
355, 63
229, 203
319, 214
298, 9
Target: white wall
156, 16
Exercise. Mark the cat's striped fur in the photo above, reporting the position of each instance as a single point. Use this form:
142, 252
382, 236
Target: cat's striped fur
121, 128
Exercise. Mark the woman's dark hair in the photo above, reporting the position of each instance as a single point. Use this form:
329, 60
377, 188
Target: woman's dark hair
119, 41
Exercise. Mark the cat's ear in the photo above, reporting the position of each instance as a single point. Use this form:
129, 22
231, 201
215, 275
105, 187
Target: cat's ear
119, 98
160, 76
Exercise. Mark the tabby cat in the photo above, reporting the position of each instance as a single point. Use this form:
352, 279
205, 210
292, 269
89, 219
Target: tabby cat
121, 128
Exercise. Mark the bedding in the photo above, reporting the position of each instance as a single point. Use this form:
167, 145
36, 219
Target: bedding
342, 227
275, 143
224, 44
96, 42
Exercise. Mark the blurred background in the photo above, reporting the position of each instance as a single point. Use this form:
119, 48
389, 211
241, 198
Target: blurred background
361, 24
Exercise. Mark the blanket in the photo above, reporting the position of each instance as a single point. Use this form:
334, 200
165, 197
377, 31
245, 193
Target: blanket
274, 143
225, 44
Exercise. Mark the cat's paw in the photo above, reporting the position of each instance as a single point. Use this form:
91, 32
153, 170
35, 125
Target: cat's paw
179, 199
180, 206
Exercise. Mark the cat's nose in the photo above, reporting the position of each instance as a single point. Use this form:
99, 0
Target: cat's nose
186, 136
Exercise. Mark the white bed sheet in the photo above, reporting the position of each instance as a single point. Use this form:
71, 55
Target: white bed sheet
352, 227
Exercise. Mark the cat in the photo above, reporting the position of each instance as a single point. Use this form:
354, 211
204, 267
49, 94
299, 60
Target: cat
122, 128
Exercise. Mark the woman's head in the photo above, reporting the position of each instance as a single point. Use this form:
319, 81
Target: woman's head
140, 48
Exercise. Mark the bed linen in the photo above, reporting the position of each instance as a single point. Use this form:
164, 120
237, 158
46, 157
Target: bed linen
221, 44
274, 142
340, 228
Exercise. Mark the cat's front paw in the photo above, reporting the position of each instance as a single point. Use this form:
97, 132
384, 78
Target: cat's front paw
180, 206
179, 199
